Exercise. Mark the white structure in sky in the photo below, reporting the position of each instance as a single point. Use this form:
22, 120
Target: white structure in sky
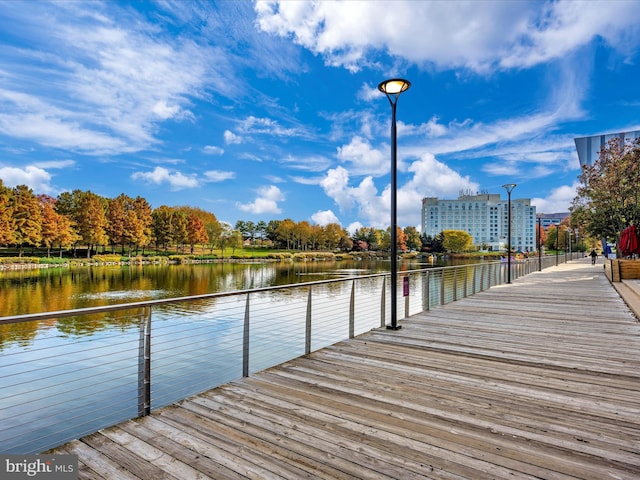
589, 147
485, 218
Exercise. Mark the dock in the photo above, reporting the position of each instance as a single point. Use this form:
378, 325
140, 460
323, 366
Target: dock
537, 379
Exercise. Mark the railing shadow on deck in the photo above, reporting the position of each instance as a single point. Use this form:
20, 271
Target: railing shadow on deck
66, 374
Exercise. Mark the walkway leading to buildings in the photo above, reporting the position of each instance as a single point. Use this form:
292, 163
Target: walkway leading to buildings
539, 379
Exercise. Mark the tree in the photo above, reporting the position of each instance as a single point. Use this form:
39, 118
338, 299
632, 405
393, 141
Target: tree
285, 232
456, 241
413, 238
56, 228
179, 233
7, 225
144, 214
551, 237
27, 217
608, 199
91, 219
196, 233
161, 226
433, 244
541, 235
334, 235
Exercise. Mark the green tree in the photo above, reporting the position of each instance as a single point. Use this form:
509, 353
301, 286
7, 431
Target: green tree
433, 244
608, 199
161, 226
27, 217
413, 238
457, 241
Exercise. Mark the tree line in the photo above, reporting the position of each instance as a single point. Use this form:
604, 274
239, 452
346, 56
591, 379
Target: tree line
83, 218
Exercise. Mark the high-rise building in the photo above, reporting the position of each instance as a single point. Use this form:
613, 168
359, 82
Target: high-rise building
485, 218
589, 147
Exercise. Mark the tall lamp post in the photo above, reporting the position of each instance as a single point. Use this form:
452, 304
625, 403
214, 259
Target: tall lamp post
392, 89
509, 187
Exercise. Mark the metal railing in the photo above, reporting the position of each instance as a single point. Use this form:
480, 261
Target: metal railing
66, 374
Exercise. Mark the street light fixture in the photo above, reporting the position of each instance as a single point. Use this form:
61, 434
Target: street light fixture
392, 89
509, 187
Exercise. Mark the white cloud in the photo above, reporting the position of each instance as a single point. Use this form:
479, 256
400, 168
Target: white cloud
352, 227
324, 218
111, 77
160, 175
231, 138
310, 163
55, 164
558, 201
363, 159
429, 178
213, 150
266, 201
33, 177
219, 175
266, 126
476, 36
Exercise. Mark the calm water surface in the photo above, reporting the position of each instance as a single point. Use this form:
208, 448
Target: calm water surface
54, 289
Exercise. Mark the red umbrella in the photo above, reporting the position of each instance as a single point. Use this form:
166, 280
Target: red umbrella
632, 240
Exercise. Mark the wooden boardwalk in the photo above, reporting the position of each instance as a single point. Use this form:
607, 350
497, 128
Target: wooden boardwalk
539, 379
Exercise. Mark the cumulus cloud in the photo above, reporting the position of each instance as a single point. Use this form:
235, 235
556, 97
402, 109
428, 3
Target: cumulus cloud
362, 158
558, 200
175, 179
33, 177
324, 218
266, 201
427, 178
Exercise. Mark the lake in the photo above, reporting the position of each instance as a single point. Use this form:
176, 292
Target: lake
60, 288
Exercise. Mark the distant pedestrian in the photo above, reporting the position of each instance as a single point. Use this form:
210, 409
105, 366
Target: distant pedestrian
593, 256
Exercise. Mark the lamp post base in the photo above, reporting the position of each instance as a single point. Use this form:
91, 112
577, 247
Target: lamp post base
391, 327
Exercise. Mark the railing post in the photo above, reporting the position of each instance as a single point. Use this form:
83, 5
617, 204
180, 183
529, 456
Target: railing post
406, 299
426, 303
475, 279
455, 283
466, 280
245, 341
307, 337
352, 310
144, 364
442, 286
383, 305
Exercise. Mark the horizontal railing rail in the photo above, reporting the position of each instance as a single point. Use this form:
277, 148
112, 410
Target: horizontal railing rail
69, 373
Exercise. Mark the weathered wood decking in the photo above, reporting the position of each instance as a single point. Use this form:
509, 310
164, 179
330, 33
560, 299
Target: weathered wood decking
537, 379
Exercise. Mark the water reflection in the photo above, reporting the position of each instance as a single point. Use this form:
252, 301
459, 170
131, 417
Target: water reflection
53, 289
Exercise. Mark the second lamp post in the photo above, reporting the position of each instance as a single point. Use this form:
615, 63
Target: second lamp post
509, 187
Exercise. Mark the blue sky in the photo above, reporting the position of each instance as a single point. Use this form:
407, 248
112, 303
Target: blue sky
269, 110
